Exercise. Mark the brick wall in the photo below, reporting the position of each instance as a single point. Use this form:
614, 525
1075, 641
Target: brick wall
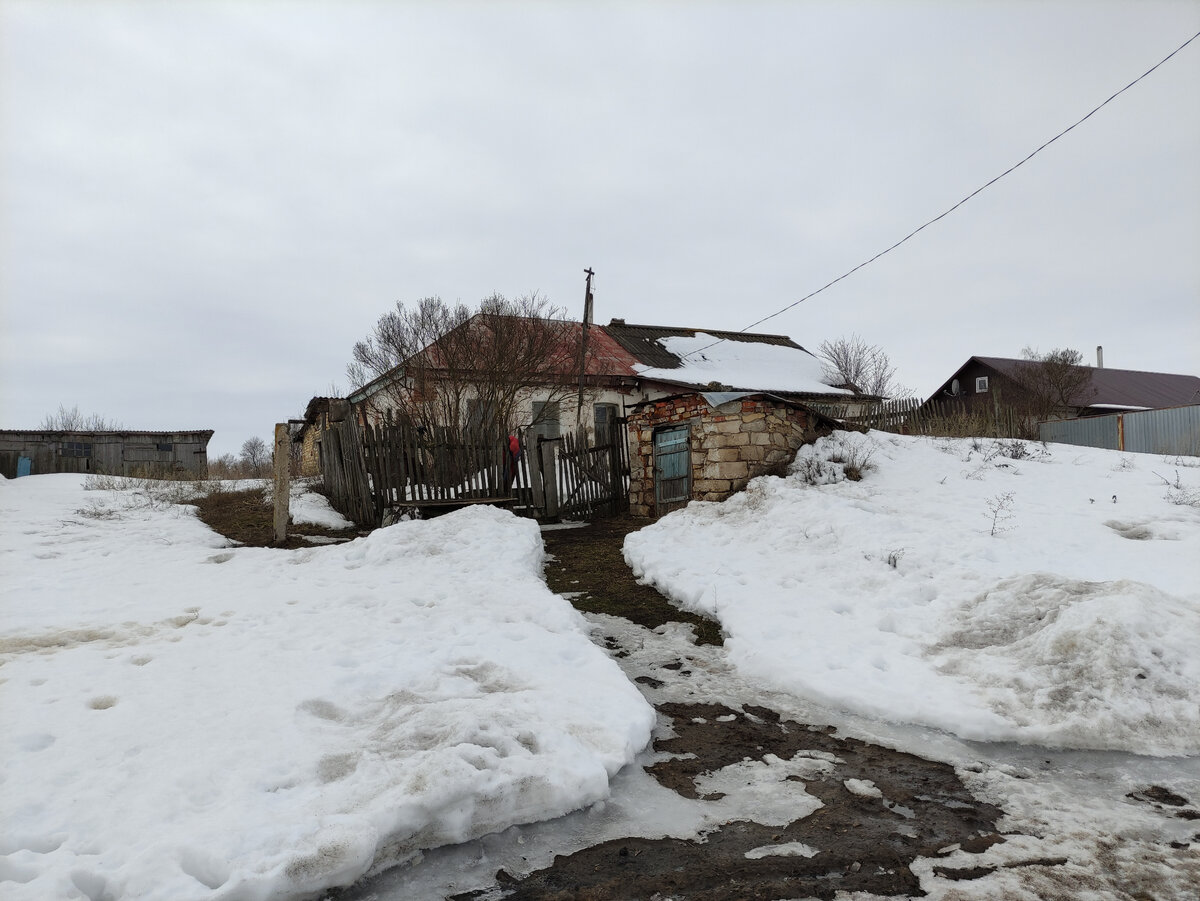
729, 445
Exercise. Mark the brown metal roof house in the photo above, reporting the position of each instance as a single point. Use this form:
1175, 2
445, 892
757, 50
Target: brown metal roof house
1104, 391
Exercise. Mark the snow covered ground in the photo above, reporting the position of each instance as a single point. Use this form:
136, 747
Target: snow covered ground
997, 590
183, 719
186, 720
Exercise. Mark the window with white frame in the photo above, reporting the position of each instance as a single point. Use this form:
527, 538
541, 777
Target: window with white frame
981, 384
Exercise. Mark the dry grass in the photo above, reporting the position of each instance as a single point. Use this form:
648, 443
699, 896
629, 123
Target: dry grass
246, 518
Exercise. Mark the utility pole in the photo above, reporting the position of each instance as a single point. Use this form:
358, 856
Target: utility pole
583, 343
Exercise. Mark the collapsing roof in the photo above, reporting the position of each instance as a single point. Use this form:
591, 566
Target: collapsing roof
734, 360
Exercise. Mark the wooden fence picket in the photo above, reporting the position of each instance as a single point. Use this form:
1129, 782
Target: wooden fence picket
370, 468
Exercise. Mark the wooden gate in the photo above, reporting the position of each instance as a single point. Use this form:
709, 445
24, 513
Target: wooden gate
575, 478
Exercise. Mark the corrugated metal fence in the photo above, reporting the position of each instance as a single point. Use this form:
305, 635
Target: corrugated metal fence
1175, 430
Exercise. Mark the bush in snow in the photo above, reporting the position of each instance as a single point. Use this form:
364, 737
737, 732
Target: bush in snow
842, 456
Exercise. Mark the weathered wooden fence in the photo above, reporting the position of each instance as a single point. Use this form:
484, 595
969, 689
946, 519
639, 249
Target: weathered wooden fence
408, 465
373, 468
949, 417
344, 470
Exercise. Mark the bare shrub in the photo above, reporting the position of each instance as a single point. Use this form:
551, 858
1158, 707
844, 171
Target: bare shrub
852, 362
855, 457
1180, 494
1000, 512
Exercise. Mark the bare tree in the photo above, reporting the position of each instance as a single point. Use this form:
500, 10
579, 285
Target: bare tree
852, 362
255, 457
1053, 383
443, 366
73, 421
226, 466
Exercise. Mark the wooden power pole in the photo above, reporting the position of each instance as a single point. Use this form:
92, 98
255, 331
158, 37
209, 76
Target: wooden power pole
583, 343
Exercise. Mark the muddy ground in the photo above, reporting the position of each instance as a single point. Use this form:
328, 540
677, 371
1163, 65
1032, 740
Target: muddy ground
902, 806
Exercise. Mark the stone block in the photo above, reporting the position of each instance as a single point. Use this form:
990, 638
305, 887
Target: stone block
738, 439
756, 425
733, 470
752, 453
728, 426
723, 454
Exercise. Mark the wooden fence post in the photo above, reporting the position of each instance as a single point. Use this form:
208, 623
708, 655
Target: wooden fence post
547, 460
283, 458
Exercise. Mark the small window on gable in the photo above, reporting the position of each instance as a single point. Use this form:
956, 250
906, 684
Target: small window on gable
981, 384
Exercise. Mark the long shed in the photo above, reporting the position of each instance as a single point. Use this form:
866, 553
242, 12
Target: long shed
122, 453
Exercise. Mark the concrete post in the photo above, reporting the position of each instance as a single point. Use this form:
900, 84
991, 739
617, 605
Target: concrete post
283, 459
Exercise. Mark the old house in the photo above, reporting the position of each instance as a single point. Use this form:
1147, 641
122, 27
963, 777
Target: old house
625, 365
123, 453
707, 445
714, 407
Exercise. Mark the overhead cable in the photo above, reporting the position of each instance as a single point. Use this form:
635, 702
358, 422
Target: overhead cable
943, 215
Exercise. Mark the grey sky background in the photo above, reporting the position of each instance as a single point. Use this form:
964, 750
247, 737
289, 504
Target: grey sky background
204, 205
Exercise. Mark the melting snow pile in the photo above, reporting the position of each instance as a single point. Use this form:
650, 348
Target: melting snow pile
184, 720
995, 589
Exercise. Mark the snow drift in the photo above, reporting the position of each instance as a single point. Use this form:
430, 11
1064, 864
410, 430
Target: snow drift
994, 589
185, 720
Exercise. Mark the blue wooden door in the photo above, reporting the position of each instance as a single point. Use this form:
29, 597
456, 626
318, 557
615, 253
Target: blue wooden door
24, 466
672, 467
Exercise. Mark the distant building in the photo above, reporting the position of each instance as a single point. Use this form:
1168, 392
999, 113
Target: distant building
121, 453
1104, 391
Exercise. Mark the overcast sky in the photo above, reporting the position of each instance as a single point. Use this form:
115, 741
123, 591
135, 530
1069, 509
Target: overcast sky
204, 205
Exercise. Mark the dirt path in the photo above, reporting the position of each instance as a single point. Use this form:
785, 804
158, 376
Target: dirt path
875, 810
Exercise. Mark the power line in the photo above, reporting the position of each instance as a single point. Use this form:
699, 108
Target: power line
943, 215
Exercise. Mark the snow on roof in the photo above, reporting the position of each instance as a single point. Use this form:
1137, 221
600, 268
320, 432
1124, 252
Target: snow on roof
741, 365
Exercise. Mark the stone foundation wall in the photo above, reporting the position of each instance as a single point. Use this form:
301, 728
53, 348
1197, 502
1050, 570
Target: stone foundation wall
310, 461
730, 445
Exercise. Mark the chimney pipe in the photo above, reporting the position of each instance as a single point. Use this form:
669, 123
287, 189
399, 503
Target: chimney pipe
1099, 357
